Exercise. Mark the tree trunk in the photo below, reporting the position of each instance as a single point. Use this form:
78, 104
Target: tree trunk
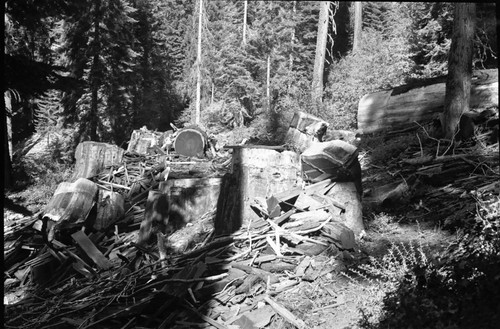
245, 23
268, 82
319, 62
94, 80
7, 173
191, 141
293, 36
458, 84
197, 114
358, 21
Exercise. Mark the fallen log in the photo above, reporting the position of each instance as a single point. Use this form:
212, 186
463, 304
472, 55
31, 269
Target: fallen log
399, 107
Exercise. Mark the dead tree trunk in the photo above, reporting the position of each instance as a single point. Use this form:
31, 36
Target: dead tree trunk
319, 62
458, 84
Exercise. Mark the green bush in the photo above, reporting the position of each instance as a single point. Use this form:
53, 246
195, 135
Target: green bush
459, 290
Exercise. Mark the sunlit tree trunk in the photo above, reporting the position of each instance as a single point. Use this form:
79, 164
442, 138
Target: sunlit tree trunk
358, 21
245, 23
198, 69
458, 83
94, 75
319, 62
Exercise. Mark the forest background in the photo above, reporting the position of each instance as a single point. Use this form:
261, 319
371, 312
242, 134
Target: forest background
97, 70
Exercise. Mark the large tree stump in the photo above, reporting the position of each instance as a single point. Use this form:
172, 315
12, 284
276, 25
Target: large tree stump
70, 206
256, 172
305, 129
400, 107
92, 157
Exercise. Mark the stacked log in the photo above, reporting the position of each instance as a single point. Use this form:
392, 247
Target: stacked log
305, 129
399, 107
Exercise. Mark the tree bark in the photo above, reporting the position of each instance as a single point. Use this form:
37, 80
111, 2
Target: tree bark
95, 83
245, 23
319, 62
458, 83
358, 21
7, 173
197, 114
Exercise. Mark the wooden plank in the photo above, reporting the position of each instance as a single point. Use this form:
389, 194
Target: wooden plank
91, 250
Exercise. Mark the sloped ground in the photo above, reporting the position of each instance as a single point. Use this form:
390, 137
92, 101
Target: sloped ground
431, 200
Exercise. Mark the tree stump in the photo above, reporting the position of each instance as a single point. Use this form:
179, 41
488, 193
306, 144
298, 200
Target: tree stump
400, 107
92, 157
70, 206
256, 172
305, 129
346, 194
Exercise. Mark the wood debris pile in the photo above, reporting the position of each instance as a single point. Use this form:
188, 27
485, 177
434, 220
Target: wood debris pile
439, 179
105, 279
223, 282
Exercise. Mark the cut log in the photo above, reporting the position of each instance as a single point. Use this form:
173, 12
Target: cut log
256, 172
304, 129
92, 157
70, 206
400, 107
191, 141
336, 160
110, 208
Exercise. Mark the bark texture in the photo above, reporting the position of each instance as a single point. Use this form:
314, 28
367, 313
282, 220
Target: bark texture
458, 84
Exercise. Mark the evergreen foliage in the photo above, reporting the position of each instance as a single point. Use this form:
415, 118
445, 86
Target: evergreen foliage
139, 68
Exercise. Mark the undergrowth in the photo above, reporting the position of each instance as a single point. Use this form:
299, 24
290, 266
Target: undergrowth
454, 290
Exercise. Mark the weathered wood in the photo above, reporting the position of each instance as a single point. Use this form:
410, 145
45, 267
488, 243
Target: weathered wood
70, 205
305, 129
91, 250
192, 196
156, 217
191, 141
345, 193
110, 207
256, 172
336, 160
92, 157
400, 107
143, 139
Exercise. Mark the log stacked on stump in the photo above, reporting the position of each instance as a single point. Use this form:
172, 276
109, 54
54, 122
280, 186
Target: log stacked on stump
399, 107
142, 140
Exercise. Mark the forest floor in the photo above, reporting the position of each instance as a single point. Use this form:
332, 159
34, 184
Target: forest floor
418, 219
